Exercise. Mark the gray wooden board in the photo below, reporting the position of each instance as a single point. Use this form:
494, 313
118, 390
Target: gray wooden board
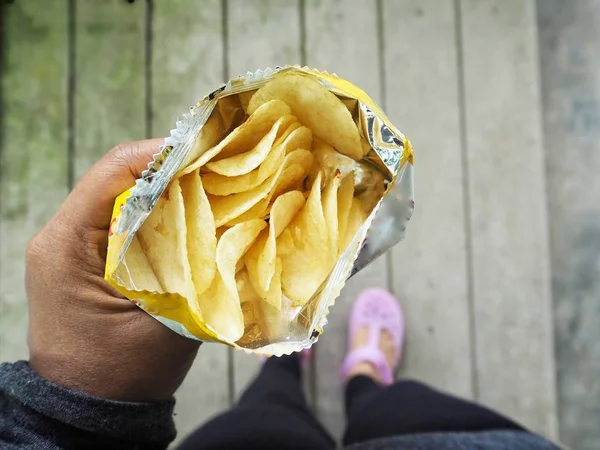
341, 37
33, 178
429, 268
187, 63
109, 96
261, 34
508, 223
570, 62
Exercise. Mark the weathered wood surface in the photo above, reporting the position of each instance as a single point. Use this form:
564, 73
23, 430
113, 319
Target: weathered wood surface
513, 332
473, 273
186, 51
34, 153
334, 43
109, 94
570, 67
430, 268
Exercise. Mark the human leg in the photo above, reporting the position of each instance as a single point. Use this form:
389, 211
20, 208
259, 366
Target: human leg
271, 413
376, 407
409, 407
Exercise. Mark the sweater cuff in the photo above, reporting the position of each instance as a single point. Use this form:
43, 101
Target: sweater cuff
137, 422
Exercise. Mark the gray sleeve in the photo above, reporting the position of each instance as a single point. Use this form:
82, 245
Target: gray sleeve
38, 414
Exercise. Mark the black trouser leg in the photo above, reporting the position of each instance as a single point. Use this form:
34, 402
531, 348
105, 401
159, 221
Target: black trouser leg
409, 407
271, 414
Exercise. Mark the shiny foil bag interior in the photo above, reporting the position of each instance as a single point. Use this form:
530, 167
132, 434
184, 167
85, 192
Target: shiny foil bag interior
383, 179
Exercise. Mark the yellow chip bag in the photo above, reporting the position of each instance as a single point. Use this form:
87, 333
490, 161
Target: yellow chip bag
248, 222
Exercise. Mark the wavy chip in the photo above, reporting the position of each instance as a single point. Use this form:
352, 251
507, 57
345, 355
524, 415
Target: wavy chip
244, 137
261, 258
220, 304
308, 264
244, 163
316, 107
162, 237
201, 232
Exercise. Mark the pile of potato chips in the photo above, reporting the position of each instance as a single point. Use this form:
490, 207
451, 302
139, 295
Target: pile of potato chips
256, 223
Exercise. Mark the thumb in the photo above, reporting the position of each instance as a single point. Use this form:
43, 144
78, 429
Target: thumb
91, 201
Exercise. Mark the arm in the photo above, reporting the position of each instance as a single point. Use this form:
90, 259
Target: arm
36, 413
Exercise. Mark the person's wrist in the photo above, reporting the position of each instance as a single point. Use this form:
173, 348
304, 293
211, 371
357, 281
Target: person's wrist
109, 362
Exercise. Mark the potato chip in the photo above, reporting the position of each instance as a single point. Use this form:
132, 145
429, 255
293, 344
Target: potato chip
162, 237
201, 232
310, 262
316, 107
369, 182
330, 211
229, 207
220, 304
292, 170
244, 137
233, 245
210, 135
216, 184
262, 322
300, 138
283, 137
285, 243
369, 197
244, 163
356, 218
273, 295
327, 161
344, 203
261, 257
135, 271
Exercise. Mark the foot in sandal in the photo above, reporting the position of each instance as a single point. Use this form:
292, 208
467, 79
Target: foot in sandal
376, 333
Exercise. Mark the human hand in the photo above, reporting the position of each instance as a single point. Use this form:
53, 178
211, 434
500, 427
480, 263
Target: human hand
82, 333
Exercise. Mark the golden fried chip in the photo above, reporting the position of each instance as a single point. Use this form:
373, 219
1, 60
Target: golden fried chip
262, 322
327, 161
221, 302
210, 135
283, 137
244, 163
316, 107
368, 181
285, 243
229, 207
261, 257
244, 137
290, 173
310, 262
135, 272
356, 218
162, 237
369, 197
300, 138
345, 196
201, 231
330, 211
216, 184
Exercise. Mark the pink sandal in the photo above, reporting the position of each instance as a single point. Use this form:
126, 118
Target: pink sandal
378, 310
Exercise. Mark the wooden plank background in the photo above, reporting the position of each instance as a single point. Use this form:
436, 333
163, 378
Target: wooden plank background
501, 258
570, 66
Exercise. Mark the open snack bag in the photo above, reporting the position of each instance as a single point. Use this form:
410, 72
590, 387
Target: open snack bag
266, 197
